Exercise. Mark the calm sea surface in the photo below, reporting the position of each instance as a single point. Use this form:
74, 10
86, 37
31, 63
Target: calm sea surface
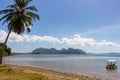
76, 64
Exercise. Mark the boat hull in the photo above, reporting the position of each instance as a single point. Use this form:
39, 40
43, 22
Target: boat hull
111, 67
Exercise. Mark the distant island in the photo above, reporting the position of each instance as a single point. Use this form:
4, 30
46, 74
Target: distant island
55, 51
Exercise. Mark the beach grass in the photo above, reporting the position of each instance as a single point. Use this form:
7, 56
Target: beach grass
8, 73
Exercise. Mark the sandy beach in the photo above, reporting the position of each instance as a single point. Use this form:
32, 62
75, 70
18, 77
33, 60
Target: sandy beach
13, 72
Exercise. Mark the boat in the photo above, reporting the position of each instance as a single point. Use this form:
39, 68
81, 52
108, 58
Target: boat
111, 64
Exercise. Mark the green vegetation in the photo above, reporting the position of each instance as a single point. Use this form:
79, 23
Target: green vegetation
8, 73
7, 50
19, 16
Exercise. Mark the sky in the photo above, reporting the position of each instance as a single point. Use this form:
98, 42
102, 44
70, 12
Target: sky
90, 25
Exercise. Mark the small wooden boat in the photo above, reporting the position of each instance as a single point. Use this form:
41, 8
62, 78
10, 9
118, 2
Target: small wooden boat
111, 64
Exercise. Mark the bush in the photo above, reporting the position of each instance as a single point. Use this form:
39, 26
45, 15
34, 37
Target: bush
7, 50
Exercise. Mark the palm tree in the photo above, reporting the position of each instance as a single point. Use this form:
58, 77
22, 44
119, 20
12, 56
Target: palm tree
19, 17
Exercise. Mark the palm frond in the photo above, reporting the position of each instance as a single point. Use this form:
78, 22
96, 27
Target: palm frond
22, 3
5, 16
27, 21
31, 8
12, 6
34, 16
6, 11
6, 20
27, 2
9, 26
17, 2
28, 29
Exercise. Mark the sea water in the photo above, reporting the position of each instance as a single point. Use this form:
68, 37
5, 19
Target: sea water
88, 65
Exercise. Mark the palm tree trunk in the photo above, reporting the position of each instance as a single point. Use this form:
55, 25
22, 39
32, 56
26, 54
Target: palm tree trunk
3, 47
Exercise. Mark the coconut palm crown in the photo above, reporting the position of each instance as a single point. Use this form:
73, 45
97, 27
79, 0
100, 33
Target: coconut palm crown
19, 16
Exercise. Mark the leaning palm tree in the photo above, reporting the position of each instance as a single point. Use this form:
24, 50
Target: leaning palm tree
19, 17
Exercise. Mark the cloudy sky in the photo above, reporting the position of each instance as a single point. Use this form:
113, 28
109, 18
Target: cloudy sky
90, 25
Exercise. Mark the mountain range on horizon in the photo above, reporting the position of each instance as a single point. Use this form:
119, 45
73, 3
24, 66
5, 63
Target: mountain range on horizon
55, 51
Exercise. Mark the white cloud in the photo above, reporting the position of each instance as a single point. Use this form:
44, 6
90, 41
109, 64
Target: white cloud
78, 40
26, 38
2, 35
105, 43
75, 40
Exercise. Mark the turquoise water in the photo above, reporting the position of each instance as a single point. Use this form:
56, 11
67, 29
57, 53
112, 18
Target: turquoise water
76, 64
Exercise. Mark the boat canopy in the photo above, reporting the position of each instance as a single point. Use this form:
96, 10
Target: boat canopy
111, 60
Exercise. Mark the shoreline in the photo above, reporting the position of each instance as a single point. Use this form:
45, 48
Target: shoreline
48, 74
